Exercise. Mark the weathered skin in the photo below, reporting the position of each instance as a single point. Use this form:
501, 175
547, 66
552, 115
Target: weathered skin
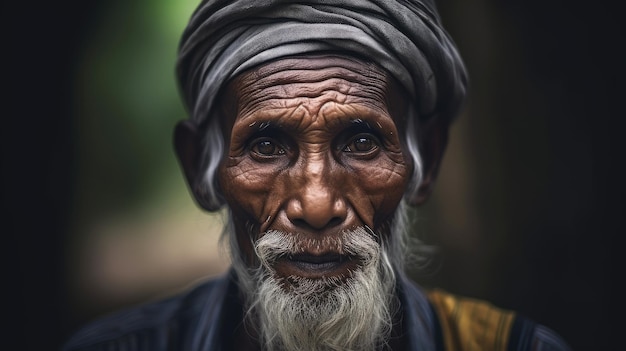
313, 150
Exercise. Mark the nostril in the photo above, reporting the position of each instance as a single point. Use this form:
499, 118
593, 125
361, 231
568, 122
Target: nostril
303, 223
335, 221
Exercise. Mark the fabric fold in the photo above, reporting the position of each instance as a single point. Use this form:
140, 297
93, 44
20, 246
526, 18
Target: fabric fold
405, 38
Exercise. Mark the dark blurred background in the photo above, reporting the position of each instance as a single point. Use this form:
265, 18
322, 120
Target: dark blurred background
527, 212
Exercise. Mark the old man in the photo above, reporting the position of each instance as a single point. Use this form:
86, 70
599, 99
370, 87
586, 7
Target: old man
316, 123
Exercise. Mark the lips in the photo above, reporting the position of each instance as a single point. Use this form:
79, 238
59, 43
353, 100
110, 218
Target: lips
317, 263
316, 266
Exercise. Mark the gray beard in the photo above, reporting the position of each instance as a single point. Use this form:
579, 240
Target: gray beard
296, 313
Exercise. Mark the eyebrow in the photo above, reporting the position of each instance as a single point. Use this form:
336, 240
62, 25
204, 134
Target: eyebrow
267, 126
361, 122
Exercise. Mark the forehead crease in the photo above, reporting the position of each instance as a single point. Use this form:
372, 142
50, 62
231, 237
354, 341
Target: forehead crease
345, 66
312, 85
328, 91
296, 95
309, 71
363, 75
334, 114
312, 96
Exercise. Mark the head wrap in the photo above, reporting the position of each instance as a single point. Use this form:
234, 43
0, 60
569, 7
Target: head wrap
404, 37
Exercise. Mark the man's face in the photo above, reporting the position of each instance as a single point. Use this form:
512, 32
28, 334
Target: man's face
314, 151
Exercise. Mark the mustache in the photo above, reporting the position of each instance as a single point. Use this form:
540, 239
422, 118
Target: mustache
359, 243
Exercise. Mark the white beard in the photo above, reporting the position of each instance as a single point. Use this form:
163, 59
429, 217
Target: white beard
296, 313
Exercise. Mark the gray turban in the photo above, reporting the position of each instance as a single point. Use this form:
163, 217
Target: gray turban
405, 37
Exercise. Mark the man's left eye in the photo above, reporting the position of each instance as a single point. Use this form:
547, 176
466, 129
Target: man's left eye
363, 144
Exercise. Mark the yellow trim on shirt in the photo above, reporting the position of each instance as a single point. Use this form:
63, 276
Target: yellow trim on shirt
469, 324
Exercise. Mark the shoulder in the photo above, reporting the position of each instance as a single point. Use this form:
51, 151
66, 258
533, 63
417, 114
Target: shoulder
468, 324
150, 326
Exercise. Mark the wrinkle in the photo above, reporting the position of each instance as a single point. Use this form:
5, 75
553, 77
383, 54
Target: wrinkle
356, 74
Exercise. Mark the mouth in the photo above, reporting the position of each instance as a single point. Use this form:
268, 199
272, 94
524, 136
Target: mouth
316, 266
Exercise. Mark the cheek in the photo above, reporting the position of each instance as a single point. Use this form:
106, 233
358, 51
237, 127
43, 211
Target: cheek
247, 187
382, 188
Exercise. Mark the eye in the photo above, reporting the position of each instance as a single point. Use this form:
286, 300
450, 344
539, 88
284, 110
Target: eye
363, 144
266, 147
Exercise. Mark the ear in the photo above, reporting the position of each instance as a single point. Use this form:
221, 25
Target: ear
187, 146
433, 135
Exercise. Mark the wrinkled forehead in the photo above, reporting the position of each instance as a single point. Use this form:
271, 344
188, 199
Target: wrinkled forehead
311, 76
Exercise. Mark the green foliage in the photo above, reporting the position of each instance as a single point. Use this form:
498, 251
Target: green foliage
127, 103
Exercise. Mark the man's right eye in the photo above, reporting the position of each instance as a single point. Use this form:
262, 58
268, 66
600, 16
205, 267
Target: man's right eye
266, 147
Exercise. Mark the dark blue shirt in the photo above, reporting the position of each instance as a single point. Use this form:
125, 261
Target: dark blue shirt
206, 317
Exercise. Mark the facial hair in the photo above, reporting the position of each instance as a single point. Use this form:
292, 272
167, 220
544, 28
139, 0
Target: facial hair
331, 313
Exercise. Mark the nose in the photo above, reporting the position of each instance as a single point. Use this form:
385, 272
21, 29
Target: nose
318, 203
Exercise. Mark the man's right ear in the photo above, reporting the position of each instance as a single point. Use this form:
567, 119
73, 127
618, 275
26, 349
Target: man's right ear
188, 146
